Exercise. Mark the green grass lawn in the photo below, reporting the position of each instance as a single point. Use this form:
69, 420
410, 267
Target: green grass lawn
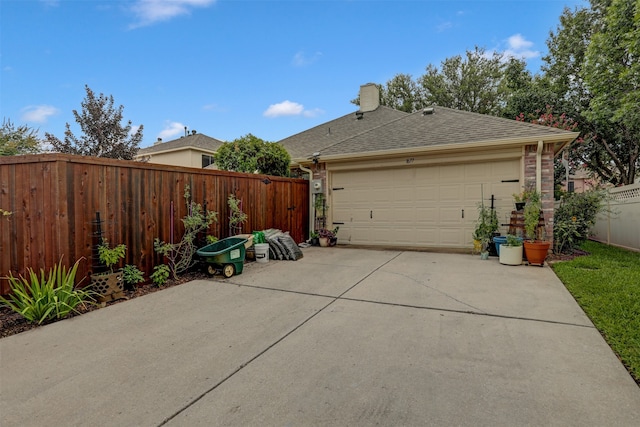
606, 284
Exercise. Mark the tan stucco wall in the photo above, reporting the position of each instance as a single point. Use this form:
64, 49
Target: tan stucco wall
188, 158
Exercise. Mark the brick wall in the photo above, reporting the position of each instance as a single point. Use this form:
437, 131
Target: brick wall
547, 182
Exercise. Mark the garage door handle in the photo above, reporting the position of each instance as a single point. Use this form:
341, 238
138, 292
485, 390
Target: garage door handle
371, 214
462, 213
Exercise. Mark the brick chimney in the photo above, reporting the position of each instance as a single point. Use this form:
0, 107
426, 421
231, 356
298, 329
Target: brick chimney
369, 97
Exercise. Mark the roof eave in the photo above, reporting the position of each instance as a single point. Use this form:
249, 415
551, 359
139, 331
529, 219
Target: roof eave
559, 140
173, 150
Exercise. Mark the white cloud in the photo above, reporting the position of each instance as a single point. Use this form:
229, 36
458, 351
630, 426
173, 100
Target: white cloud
213, 107
171, 130
444, 26
288, 108
518, 42
150, 12
313, 113
519, 47
285, 108
38, 113
300, 59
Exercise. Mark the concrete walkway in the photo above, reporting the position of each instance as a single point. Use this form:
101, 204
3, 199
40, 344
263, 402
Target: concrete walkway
341, 337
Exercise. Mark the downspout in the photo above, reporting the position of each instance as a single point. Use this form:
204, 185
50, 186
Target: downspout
539, 177
539, 168
311, 207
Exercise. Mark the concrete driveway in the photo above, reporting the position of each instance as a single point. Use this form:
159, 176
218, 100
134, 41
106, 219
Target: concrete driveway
340, 337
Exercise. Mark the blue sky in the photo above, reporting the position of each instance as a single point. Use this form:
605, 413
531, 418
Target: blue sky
227, 68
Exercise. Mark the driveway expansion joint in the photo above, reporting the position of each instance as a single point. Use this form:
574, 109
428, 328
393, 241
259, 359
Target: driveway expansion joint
273, 344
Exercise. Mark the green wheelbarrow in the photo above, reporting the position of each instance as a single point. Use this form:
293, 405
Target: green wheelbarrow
225, 256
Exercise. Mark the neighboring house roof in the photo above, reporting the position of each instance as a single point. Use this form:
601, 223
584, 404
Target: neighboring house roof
198, 141
386, 129
304, 144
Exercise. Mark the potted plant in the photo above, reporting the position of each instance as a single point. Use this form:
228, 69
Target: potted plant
511, 250
535, 249
486, 229
314, 238
328, 237
520, 199
109, 283
261, 247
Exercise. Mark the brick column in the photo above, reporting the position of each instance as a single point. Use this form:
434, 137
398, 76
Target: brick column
546, 181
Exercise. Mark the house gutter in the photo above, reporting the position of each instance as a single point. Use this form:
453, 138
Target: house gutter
310, 172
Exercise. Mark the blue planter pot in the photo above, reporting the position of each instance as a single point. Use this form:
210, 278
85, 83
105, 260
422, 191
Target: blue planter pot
498, 240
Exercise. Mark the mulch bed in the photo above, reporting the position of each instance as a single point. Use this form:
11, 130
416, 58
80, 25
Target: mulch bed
553, 258
12, 323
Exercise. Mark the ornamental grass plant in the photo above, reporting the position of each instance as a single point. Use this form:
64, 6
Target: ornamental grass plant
43, 297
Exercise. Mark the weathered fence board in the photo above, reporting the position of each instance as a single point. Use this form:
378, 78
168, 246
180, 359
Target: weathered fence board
54, 197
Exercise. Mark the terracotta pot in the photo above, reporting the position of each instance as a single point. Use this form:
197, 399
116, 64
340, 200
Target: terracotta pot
536, 251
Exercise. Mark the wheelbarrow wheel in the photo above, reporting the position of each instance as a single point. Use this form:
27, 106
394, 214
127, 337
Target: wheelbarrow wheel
211, 270
228, 270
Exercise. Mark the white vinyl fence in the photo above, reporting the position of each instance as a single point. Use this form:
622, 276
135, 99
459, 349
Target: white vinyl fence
620, 226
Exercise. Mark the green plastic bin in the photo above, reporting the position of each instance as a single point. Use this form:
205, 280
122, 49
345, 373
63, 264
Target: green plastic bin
226, 256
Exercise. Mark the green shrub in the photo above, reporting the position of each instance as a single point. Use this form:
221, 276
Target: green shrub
574, 218
179, 255
160, 274
40, 298
110, 256
131, 275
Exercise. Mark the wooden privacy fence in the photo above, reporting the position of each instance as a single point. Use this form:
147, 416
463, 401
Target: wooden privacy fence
54, 199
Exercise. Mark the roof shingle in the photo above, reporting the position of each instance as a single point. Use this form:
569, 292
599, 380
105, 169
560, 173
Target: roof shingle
388, 129
197, 140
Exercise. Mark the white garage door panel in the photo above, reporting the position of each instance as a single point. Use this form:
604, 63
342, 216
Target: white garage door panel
427, 216
450, 236
425, 194
406, 195
451, 215
420, 206
451, 192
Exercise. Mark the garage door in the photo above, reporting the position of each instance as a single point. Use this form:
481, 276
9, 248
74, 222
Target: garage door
421, 206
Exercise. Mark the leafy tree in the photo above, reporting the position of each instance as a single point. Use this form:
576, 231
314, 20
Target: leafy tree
549, 117
275, 160
250, 154
612, 75
18, 140
471, 83
567, 48
104, 136
402, 93
582, 72
478, 82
